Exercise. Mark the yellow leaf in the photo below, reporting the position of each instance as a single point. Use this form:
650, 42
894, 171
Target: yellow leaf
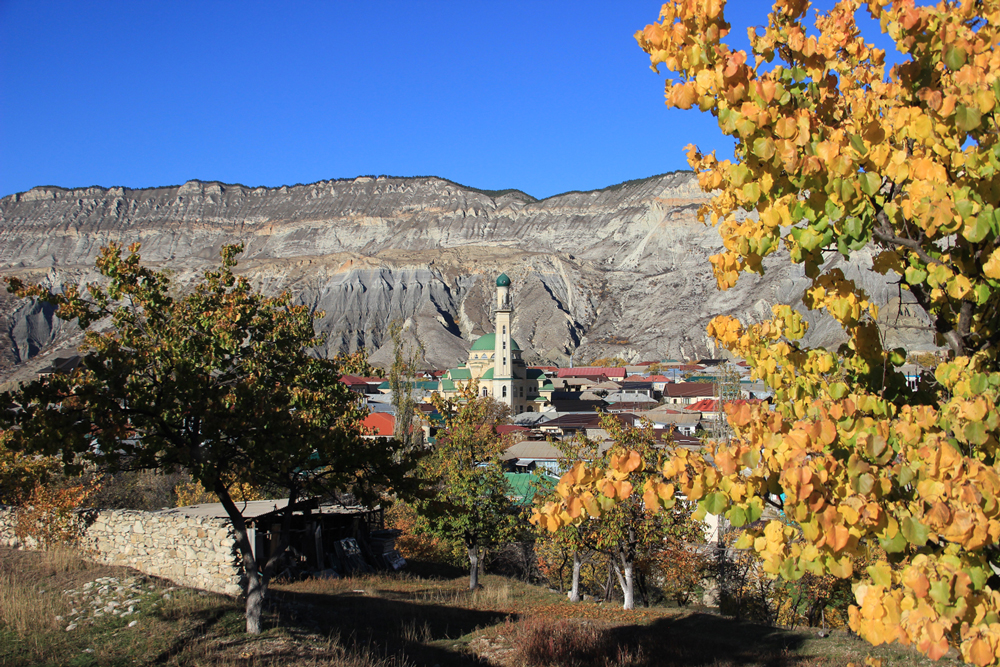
980, 653
959, 287
992, 266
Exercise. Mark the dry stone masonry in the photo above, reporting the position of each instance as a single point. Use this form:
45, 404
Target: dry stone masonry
190, 551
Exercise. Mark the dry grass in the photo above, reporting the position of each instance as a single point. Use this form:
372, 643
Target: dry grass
388, 621
30, 600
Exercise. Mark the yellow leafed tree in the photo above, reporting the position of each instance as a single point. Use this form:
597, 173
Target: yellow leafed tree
835, 153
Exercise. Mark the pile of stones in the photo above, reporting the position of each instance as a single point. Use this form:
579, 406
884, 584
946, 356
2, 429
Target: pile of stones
111, 597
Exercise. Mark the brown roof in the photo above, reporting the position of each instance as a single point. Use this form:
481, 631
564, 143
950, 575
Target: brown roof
689, 389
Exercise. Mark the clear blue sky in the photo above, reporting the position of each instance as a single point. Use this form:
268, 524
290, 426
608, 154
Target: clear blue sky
544, 97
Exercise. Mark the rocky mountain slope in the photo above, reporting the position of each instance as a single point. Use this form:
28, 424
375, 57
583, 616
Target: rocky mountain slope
621, 271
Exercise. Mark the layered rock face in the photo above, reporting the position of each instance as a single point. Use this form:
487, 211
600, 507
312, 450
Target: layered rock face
622, 271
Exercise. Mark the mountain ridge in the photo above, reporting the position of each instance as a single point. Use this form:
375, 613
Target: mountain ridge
618, 271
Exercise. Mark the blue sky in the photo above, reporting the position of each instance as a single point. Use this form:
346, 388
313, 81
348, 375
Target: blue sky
545, 97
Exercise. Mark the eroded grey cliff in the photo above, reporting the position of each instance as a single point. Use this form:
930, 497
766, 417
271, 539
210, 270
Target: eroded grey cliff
622, 271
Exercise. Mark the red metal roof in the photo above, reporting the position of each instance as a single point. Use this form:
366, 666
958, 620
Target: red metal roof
588, 371
380, 423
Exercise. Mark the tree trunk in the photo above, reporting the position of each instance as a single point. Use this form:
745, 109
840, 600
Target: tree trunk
626, 582
473, 567
256, 579
256, 588
629, 591
574, 593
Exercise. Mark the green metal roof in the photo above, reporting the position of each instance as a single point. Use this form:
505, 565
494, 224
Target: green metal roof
547, 386
459, 374
535, 373
488, 375
503, 280
523, 486
447, 385
489, 342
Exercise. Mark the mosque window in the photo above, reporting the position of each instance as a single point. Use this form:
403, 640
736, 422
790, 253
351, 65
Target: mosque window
522, 392
505, 392
484, 391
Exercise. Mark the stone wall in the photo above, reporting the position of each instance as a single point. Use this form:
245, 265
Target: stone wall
190, 551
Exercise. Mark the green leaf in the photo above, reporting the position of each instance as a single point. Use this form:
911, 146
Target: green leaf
854, 227
863, 484
763, 147
915, 276
975, 433
715, 503
978, 576
915, 532
955, 58
906, 475
833, 211
967, 118
838, 390
983, 293
940, 591
881, 575
895, 545
737, 517
739, 174
870, 183
976, 230
788, 571
858, 144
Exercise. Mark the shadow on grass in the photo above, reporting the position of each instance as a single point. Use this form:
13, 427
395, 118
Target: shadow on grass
699, 639
204, 621
424, 633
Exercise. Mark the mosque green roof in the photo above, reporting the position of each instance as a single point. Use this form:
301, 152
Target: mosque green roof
503, 280
489, 342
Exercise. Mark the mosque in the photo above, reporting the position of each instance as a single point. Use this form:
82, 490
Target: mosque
496, 366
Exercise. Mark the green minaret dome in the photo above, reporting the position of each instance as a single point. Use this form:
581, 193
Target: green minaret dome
503, 280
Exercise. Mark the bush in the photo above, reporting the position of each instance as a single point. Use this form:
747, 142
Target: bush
565, 643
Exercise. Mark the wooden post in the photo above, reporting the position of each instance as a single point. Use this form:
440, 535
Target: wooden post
320, 554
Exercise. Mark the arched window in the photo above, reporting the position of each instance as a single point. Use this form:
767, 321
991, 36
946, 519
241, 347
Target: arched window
504, 329
504, 392
484, 391
522, 392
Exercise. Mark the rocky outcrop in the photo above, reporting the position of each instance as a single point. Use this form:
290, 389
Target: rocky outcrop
620, 271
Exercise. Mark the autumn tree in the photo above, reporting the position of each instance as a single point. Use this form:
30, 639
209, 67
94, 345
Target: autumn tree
470, 498
407, 356
837, 153
572, 541
220, 381
632, 535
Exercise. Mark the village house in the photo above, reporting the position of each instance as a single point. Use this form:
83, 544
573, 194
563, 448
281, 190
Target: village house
685, 393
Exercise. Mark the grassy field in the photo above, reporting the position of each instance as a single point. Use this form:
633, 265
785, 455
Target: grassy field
120, 617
